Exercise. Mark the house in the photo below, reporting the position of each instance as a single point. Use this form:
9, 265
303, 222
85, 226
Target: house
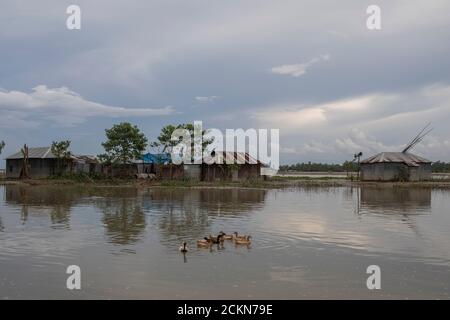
395, 166
240, 166
43, 163
87, 164
161, 165
233, 166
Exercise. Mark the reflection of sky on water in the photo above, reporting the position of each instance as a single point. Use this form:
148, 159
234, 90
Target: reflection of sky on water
383, 220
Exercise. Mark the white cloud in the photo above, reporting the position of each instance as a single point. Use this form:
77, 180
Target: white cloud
375, 111
291, 117
358, 140
62, 106
206, 99
372, 123
298, 69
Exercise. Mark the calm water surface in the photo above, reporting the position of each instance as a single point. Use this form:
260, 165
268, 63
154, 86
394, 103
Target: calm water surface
308, 242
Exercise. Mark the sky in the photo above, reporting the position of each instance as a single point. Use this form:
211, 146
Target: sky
311, 69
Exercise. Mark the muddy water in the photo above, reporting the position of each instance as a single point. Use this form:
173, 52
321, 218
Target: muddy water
307, 242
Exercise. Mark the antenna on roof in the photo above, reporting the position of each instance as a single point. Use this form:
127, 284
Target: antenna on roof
417, 139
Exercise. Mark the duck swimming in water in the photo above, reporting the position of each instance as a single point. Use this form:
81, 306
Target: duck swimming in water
205, 242
216, 240
183, 248
226, 236
245, 240
237, 236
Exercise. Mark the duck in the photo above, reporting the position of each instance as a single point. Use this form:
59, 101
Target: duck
183, 248
218, 239
226, 236
205, 242
245, 240
237, 236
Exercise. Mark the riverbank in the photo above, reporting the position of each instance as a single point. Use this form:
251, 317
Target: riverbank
276, 182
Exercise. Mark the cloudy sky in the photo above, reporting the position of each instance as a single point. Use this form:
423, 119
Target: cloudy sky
309, 68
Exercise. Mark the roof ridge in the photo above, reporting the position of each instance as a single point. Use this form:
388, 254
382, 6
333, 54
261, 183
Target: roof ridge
46, 153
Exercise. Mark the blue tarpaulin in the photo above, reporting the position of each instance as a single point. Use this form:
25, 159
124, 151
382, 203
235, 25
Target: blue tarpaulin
157, 158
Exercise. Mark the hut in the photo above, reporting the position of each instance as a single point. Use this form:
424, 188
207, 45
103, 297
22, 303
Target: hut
221, 165
87, 164
395, 166
160, 164
398, 166
234, 166
41, 162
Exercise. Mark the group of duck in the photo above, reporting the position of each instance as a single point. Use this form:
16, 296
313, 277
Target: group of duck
207, 242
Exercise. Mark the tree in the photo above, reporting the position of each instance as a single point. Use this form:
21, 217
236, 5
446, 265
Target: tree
2, 145
165, 142
125, 142
25, 171
60, 150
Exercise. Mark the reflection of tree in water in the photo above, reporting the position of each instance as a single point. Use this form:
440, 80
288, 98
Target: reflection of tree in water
53, 201
2, 227
123, 218
182, 213
176, 213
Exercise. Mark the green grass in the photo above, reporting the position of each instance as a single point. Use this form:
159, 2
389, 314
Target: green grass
292, 178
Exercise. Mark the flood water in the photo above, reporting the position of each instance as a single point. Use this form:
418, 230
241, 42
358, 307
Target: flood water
307, 242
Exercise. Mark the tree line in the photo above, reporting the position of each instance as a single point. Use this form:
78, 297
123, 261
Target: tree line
440, 167
348, 166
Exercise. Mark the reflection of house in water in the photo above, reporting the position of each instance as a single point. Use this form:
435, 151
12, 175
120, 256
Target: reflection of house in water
126, 212
52, 201
395, 203
411, 200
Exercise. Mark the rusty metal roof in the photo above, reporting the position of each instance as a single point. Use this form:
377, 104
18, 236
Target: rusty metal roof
46, 153
232, 157
409, 159
34, 153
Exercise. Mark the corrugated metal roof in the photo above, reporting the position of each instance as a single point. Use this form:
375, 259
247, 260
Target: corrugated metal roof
409, 159
34, 153
234, 157
85, 158
46, 153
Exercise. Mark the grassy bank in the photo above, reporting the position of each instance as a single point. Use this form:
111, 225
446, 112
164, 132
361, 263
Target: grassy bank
273, 182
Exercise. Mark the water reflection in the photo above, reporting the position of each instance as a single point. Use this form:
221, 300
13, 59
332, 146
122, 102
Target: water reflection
307, 241
50, 201
175, 213
187, 214
124, 220
394, 201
